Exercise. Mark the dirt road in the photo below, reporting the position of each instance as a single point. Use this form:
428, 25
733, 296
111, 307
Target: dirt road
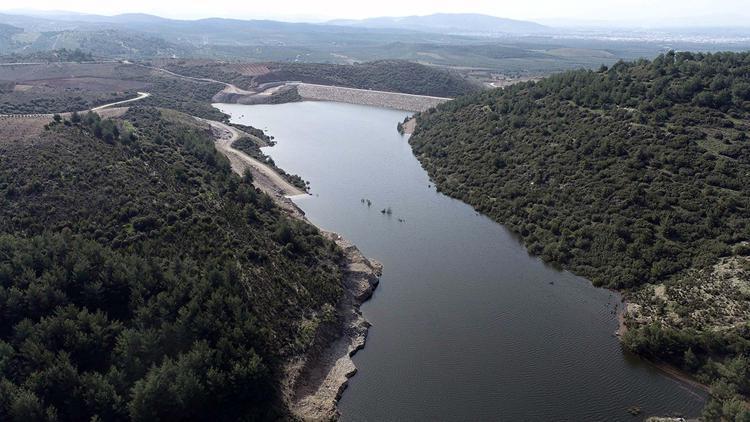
312, 383
228, 88
265, 177
141, 95
56, 63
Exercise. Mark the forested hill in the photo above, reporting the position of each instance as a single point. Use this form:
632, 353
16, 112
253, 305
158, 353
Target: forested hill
385, 75
627, 175
140, 279
630, 175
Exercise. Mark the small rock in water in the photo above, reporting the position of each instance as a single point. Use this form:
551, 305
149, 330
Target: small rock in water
634, 410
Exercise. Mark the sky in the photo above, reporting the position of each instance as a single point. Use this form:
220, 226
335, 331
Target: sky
626, 12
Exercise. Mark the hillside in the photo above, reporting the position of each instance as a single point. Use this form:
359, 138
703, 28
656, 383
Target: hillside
384, 75
486, 48
49, 56
7, 35
631, 176
145, 35
469, 43
59, 87
140, 279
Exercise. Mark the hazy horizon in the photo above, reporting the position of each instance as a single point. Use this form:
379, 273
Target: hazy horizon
632, 13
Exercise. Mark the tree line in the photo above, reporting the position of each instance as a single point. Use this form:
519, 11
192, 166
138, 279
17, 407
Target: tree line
628, 175
140, 279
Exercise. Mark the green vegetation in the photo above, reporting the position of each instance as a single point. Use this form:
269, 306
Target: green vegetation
384, 75
218, 71
607, 173
250, 147
109, 43
63, 86
699, 322
48, 88
52, 56
630, 175
400, 125
149, 37
253, 131
285, 95
140, 279
14, 99
183, 95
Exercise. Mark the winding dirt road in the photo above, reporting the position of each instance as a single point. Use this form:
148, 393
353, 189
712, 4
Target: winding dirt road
141, 95
228, 88
266, 178
312, 384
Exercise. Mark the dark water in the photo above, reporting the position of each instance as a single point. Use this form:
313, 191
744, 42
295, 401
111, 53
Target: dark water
466, 325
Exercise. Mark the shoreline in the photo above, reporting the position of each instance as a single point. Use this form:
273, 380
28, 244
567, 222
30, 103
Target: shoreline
409, 125
622, 312
667, 369
679, 375
676, 374
313, 383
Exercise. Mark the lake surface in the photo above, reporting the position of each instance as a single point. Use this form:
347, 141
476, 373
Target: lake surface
466, 325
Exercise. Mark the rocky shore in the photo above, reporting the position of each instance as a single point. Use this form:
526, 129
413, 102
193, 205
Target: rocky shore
313, 383
407, 127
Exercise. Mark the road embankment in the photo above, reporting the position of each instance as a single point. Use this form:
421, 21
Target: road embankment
395, 100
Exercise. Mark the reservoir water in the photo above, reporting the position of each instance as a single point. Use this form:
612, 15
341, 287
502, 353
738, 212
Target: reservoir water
466, 325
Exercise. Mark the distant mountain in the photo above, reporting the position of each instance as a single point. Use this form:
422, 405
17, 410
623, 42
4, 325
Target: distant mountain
7, 32
32, 35
464, 23
141, 35
455, 40
210, 31
35, 23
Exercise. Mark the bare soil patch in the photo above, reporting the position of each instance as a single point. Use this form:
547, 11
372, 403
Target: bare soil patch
250, 69
15, 129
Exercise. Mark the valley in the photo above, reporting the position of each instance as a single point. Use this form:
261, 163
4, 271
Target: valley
305, 387
461, 306
195, 215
